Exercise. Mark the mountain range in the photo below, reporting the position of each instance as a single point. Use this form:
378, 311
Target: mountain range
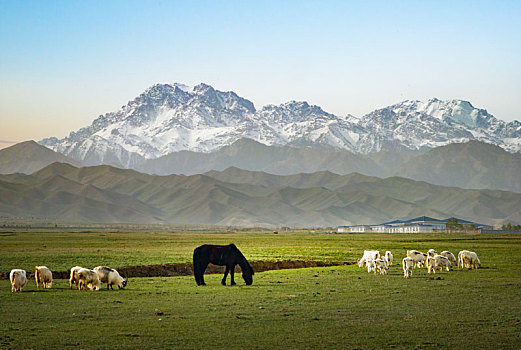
473, 164
173, 118
288, 165
107, 194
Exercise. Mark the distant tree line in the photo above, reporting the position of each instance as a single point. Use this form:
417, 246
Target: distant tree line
454, 225
510, 227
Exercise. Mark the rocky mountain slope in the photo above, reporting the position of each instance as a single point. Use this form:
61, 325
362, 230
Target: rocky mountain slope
469, 165
172, 118
28, 157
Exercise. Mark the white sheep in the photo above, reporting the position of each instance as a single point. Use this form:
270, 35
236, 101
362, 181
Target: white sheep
88, 278
442, 262
371, 265
381, 266
110, 277
18, 280
431, 265
74, 276
470, 260
43, 275
449, 256
461, 258
389, 258
417, 256
368, 255
438, 262
408, 264
431, 252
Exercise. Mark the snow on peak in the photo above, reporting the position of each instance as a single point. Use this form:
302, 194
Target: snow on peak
183, 87
173, 117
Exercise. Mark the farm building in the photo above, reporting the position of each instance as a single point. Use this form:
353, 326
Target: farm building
419, 224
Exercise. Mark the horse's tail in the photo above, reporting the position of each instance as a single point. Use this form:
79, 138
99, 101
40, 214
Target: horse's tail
197, 265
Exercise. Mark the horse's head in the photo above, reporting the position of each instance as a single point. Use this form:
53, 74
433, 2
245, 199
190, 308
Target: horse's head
247, 272
248, 276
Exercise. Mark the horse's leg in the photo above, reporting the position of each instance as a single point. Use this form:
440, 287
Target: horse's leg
203, 269
194, 269
197, 272
223, 281
232, 271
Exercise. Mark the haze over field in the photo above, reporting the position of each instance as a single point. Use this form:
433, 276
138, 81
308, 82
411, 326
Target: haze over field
225, 105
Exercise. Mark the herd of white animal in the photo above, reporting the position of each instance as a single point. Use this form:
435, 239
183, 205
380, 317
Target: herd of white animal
92, 279
432, 260
80, 277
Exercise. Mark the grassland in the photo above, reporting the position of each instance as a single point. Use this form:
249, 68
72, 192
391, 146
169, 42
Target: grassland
340, 307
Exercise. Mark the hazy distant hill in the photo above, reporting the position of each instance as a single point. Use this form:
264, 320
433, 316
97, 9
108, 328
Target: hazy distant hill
324, 179
237, 197
252, 155
468, 165
28, 157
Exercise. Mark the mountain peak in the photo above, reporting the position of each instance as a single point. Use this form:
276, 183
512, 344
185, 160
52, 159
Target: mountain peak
172, 117
203, 88
183, 87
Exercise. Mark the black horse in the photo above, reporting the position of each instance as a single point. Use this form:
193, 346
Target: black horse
228, 255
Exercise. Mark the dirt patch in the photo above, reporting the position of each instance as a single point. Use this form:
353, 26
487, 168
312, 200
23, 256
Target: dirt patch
185, 269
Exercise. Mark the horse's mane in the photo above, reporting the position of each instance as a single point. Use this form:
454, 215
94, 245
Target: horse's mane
243, 262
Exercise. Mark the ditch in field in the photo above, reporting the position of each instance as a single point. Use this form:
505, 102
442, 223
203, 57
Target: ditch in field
185, 269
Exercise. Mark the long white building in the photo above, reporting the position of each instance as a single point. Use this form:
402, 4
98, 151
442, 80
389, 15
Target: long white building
416, 225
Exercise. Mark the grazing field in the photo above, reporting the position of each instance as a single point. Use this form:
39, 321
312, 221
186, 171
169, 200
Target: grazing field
330, 307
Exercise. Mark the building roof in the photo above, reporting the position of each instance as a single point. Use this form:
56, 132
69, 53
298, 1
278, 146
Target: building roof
421, 221
426, 218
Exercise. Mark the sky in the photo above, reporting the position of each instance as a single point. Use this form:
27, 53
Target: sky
62, 64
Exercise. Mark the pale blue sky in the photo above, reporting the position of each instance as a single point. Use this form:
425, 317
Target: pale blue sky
64, 63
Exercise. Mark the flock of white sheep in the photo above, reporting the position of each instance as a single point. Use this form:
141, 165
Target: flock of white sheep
92, 279
82, 278
432, 260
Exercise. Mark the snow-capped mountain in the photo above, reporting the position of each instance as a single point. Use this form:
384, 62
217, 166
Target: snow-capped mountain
163, 119
423, 125
169, 118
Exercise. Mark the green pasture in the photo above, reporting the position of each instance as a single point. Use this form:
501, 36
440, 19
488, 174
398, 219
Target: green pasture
341, 307
62, 250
